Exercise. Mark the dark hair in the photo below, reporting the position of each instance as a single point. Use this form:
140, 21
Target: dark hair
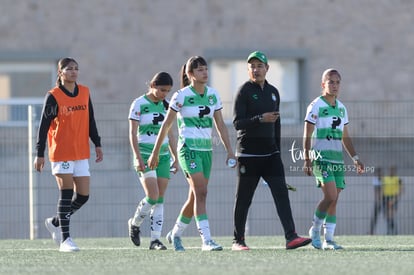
63, 63
328, 72
193, 63
161, 79
184, 78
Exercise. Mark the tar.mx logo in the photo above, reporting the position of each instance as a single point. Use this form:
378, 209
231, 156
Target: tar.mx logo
298, 154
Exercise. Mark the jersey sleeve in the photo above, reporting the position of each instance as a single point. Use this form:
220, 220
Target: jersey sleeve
219, 104
177, 101
346, 120
93, 129
311, 114
49, 112
134, 110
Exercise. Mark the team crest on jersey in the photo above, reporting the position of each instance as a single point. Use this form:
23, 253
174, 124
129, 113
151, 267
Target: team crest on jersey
211, 100
273, 97
325, 174
193, 165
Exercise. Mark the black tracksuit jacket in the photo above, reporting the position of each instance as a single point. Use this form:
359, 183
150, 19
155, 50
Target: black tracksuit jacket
253, 137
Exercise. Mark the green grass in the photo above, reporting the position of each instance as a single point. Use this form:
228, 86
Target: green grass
362, 255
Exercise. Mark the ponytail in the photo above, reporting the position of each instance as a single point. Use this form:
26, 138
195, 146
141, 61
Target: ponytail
58, 81
184, 77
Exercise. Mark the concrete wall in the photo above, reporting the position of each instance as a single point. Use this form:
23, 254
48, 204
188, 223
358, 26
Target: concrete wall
121, 44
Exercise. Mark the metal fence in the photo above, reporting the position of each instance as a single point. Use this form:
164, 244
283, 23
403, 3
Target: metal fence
383, 136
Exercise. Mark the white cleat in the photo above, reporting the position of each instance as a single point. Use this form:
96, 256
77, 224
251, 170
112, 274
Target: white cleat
53, 230
211, 246
68, 246
316, 238
331, 245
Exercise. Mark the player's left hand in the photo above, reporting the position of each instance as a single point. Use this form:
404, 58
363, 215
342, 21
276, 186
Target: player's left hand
153, 161
360, 166
99, 154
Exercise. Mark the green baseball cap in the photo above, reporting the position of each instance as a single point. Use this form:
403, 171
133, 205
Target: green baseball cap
259, 55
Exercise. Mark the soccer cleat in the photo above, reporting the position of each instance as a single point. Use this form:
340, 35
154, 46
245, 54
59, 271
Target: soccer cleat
239, 246
331, 245
134, 233
157, 245
211, 246
68, 246
316, 238
178, 246
297, 242
53, 230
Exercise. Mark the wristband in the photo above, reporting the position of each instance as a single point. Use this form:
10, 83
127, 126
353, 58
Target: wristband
355, 158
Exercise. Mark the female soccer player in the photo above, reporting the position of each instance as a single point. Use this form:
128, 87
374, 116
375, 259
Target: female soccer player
197, 106
325, 132
146, 116
67, 123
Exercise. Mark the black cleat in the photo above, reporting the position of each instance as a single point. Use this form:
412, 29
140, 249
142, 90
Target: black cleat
157, 245
134, 233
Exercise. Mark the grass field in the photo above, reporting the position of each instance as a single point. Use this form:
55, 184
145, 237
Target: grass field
362, 255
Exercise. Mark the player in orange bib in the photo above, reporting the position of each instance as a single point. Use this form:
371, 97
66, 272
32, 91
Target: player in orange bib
67, 123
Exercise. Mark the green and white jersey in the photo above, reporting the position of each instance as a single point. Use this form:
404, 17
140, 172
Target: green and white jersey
150, 116
195, 116
329, 124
